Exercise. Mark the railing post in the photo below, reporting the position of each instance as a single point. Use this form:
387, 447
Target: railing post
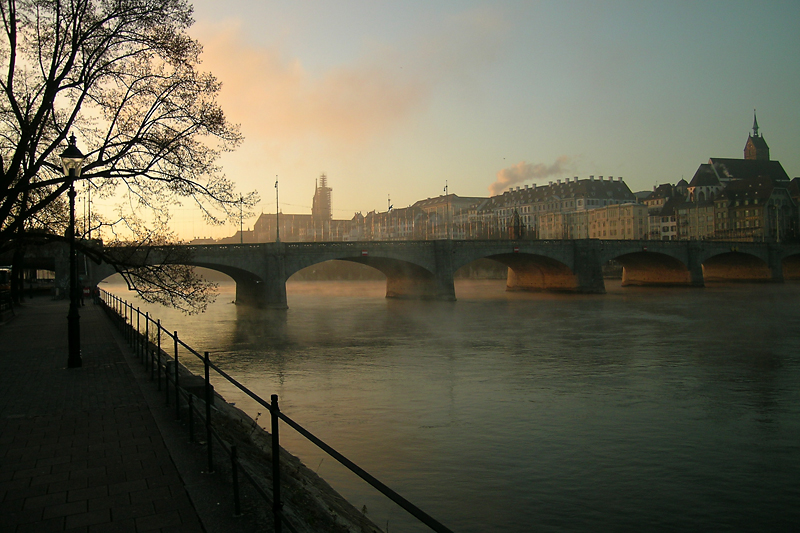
166, 382
191, 417
146, 338
208, 414
237, 508
137, 338
177, 390
158, 355
276, 464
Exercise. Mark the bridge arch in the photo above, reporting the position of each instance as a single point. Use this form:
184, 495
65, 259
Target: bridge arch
652, 263
653, 268
538, 265
410, 269
791, 266
532, 272
736, 266
250, 288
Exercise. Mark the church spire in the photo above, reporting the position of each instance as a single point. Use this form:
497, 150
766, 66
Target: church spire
755, 124
756, 147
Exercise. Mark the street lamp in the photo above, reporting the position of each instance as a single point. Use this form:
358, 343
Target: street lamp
277, 213
72, 161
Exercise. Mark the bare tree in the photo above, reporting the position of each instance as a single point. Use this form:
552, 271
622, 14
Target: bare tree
123, 76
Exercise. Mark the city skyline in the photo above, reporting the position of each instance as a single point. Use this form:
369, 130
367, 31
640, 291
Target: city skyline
394, 100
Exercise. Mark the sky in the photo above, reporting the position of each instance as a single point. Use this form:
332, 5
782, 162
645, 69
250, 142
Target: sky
393, 101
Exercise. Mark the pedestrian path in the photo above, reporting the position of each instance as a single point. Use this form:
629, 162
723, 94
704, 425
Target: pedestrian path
81, 449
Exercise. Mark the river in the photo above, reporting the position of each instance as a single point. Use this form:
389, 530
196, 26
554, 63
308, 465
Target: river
639, 410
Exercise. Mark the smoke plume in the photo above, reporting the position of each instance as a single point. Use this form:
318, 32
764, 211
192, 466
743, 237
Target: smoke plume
523, 171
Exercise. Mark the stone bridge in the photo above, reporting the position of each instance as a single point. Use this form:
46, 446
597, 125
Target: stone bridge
425, 269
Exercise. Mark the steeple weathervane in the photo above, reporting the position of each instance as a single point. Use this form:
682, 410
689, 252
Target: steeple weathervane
755, 124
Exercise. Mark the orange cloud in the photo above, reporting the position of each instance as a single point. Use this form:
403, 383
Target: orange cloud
278, 101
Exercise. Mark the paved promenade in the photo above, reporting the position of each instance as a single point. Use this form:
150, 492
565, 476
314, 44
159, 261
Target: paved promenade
93, 449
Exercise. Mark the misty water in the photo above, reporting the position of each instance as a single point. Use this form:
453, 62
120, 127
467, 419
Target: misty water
639, 410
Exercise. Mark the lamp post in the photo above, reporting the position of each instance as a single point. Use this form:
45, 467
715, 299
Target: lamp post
277, 213
72, 161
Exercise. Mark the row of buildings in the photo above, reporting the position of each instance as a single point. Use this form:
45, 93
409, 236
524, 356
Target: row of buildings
727, 199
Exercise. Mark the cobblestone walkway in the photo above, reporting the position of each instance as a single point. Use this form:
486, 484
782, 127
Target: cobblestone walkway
79, 448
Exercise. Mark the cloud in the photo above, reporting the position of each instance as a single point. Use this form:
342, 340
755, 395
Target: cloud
278, 101
523, 171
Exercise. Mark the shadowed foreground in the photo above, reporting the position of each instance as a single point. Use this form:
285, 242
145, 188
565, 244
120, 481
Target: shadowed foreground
88, 449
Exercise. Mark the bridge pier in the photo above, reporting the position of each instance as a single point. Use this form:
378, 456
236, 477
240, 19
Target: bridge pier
261, 278
695, 266
588, 268
776, 262
409, 281
274, 281
444, 288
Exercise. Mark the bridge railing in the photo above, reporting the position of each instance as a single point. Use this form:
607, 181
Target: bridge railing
144, 334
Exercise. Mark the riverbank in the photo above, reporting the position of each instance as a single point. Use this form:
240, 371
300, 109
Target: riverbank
95, 448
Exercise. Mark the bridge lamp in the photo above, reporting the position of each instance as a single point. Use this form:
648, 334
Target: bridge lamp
72, 161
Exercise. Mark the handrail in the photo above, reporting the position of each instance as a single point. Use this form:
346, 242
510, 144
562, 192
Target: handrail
124, 312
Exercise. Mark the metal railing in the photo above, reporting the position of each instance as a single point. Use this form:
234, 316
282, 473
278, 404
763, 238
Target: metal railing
145, 339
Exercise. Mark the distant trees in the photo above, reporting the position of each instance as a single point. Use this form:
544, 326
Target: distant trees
122, 76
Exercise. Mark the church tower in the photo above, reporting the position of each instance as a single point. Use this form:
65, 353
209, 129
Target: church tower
756, 147
321, 203
321, 209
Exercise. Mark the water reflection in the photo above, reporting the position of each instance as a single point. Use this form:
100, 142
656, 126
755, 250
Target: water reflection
641, 409
261, 327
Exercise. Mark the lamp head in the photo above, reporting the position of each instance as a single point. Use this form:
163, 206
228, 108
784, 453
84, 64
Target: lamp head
72, 159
